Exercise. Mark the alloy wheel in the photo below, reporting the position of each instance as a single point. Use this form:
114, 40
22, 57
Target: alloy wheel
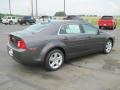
55, 60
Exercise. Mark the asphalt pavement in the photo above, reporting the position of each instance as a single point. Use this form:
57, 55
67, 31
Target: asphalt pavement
93, 72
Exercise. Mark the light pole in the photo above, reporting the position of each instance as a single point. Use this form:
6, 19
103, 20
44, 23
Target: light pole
36, 9
10, 6
64, 6
31, 7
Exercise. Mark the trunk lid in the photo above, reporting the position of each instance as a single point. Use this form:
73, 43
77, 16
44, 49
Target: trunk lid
105, 21
17, 36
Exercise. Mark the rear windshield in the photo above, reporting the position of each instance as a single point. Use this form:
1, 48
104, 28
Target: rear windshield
107, 17
71, 17
28, 17
38, 27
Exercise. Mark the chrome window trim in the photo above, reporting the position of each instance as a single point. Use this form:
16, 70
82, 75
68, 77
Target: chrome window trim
68, 34
92, 27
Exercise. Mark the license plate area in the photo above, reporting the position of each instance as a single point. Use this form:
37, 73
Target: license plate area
105, 25
10, 52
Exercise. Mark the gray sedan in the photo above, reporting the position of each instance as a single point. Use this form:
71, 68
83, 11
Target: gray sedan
54, 42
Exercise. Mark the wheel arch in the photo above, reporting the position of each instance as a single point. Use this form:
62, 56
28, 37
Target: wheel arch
10, 21
51, 46
111, 40
57, 47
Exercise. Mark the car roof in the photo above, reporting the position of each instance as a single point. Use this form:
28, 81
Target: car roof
68, 21
107, 16
27, 16
10, 16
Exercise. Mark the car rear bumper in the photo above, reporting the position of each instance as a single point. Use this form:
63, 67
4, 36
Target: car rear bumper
23, 56
106, 25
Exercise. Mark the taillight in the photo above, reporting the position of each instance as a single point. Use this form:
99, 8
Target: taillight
21, 44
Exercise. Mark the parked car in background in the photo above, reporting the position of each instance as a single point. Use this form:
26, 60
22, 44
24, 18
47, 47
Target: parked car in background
0, 20
28, 20
108, 22
55, 42
9, 20
42, 19
73, 17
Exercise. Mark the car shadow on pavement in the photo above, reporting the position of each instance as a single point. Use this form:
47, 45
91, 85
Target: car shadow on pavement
82, 57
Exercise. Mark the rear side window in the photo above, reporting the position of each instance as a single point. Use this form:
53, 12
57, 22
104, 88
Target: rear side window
89, 29
70, 29
38, 27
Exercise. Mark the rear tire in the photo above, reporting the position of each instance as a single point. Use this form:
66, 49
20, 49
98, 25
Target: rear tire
10, 22
108, 47
99, 27
21, 23
6, 24
54, 60
114, 27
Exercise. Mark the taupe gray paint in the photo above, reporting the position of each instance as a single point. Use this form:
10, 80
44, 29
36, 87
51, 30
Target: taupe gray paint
71, 45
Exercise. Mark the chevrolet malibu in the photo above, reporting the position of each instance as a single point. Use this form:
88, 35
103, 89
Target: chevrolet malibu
55, 42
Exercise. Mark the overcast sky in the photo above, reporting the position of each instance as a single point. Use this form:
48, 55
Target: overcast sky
49, 7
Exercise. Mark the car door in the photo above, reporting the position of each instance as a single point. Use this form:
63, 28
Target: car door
9, 19
14, 19
95, 39
75, 41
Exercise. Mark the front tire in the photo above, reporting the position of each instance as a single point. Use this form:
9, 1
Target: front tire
108, 47
54, 60
21, 23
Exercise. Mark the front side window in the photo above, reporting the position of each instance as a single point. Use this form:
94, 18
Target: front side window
89, 29
9, 17
70, 29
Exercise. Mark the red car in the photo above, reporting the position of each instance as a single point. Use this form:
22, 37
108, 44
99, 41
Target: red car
107, 22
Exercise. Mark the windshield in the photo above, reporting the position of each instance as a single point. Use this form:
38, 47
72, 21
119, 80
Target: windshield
37, 27
4, 17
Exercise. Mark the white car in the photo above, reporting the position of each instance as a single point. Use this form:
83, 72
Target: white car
43, 19
9, 20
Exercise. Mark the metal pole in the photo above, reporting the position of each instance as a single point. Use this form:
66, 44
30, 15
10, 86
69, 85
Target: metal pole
31, 7
64, 6
10, 6
36, 9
